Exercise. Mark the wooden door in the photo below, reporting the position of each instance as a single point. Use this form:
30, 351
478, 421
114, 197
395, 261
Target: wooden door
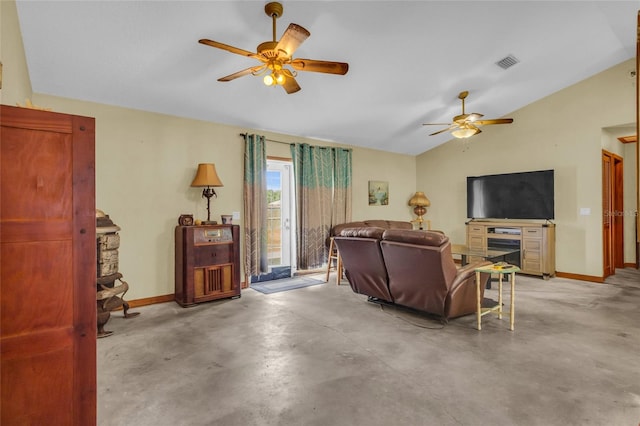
48, 275
617, 181
612, 213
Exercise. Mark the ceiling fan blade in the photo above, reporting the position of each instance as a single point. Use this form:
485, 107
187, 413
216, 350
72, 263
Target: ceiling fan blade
328, 67
493, 121
437, 124
466, 118
242, 73
290, 84
228, 48
292, 39
443, 130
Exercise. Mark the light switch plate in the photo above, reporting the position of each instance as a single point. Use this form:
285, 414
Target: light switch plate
236, 215
585, 211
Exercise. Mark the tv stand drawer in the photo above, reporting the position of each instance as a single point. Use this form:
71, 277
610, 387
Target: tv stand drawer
476, 229
532, 232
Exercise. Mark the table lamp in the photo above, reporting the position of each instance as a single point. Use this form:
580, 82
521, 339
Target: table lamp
207, 177
420, 202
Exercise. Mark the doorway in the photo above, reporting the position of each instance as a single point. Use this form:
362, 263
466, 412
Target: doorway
612, 213
280, 223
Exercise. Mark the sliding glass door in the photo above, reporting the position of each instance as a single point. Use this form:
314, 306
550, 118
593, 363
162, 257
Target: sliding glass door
279, 218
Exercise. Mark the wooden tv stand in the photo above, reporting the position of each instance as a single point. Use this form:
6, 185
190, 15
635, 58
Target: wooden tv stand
536, 242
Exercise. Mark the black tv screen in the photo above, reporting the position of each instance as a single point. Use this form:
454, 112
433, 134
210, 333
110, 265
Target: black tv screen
526, 195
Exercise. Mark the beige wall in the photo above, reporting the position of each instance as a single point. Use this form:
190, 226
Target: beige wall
562, 132
16, 85
145, 163
398, 170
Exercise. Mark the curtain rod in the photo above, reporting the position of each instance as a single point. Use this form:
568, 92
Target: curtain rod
293, 143
271, 140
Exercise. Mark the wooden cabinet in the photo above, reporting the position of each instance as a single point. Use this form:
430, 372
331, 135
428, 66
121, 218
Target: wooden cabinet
476, 237
535, 241
47, 268
207, 263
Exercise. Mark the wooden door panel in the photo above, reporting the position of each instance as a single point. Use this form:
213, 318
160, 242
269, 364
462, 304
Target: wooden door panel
36, 294
52, 370
48, 268
618, 212
20, 231
44, 190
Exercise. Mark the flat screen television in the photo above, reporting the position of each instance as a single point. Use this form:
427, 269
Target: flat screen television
525, 195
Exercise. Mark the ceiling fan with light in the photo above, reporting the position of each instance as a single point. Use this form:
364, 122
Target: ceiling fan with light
277, 56
467, 125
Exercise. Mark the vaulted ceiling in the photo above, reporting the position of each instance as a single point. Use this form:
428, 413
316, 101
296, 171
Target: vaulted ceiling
408, 60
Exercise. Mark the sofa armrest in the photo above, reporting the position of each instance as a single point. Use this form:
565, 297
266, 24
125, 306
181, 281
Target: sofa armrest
462, 297
466, 271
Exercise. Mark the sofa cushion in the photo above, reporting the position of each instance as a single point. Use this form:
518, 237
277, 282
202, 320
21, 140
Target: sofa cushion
389, 224
363, 232
337, 229
423, 238
386, 224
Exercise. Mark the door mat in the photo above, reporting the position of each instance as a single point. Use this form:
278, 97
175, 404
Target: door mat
276, 286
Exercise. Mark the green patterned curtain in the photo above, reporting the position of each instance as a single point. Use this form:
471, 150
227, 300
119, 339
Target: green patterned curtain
341, 212
323, 198
255, 206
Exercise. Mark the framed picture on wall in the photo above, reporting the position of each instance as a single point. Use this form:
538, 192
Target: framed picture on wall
378, 193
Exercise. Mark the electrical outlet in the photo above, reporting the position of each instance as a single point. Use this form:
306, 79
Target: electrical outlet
236, 215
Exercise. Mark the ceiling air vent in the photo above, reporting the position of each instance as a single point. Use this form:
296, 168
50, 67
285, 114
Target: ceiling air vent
507, 62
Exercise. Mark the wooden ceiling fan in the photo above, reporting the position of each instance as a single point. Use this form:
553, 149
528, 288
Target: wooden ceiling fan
276, 56
467, 125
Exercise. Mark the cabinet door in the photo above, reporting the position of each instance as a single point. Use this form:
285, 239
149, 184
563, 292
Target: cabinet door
476, 236
213, 254
48, 269
212, 282
532, 250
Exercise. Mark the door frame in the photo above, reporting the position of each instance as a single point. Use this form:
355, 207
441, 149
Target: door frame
290, 221
613, 212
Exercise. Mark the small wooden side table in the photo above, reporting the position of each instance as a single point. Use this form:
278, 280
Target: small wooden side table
501, 271
334, 254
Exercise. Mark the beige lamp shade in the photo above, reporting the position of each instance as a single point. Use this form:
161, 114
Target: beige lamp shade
206, 176
419, 199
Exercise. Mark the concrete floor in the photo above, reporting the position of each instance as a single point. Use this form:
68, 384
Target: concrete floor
323, 356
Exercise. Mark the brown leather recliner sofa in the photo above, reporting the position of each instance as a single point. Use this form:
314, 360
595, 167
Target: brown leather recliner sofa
409, 268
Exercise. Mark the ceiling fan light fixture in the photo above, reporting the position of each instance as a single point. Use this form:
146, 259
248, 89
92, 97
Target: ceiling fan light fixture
275, 78
279, 77
269, 80
464, 132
